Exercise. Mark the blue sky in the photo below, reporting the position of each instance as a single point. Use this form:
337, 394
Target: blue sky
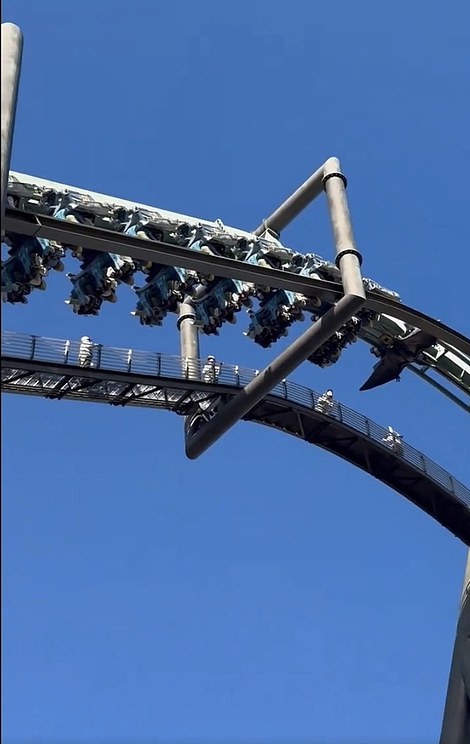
266, 592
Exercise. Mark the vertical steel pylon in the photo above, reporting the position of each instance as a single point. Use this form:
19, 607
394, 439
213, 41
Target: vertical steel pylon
456, 721
12, 49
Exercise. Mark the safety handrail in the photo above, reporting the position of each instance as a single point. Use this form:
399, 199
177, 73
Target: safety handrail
154, 364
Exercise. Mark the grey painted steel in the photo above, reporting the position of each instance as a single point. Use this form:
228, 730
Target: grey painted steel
297, 201
189, 339
294, 204
231, 412
49, 368
466, 583
439, 387
345, 246
108, 241
456, 719
12, 48
456, 724
22, 223
227, 414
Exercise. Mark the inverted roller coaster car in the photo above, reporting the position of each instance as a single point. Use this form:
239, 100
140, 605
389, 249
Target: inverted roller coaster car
97, 281
77, 207
29, 261
165, 288
153, 226
219, 304
269, 252
330, 351
277, 311
31, 197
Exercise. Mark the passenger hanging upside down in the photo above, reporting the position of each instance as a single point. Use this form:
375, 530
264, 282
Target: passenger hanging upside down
211, 370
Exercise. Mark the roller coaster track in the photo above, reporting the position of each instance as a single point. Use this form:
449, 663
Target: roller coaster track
449, 357
49, 368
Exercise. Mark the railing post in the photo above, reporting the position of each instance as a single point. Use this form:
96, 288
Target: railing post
33, 346
99, 348
423, 462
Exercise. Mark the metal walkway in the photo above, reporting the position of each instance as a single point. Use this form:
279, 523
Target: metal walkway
49, 368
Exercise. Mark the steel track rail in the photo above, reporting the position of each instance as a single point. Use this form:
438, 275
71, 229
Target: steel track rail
99, 239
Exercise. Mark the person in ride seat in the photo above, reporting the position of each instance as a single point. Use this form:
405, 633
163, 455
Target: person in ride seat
211, 370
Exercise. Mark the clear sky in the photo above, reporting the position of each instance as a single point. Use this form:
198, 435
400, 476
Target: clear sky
267, 592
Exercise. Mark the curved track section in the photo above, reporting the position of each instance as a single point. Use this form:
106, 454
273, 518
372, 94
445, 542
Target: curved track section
49, 368
248, 267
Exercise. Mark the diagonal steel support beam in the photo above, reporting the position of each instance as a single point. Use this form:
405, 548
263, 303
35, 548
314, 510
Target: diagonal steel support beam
348, 260
281, 367
294, 204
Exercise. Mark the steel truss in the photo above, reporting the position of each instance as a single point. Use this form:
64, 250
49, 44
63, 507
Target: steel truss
49, 368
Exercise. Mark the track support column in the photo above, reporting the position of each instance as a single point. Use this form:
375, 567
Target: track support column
12, 48
189, 340
456, 721
348, 259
